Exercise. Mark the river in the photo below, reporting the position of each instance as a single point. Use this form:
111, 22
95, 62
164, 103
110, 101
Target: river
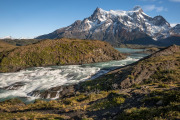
19, 84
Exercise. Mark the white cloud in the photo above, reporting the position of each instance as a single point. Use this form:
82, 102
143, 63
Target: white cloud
173, 24
174, 0
154, 7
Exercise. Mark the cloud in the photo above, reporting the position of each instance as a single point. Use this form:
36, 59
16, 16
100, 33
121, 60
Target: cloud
154, 7
174, 0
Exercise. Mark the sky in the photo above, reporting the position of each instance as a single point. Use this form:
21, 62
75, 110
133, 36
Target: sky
31, 18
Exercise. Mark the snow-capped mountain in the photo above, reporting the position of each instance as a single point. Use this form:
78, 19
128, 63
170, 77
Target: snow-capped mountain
117, 27
176, 30
7, 37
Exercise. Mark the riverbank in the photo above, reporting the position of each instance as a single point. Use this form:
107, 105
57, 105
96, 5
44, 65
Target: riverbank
28, 84
147, 89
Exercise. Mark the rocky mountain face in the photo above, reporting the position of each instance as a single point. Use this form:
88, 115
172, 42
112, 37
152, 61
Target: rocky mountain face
176, 30
118, 27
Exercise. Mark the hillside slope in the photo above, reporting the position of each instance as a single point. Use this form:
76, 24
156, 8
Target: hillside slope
145, 90
58, 52
20, 42
143, 71
5, 46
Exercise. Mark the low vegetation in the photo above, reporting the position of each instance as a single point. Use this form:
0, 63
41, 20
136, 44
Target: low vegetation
146, 90
158, 105
6, 47
57, 52
20, 42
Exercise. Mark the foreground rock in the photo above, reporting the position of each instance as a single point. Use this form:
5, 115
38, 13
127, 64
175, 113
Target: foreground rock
58, 52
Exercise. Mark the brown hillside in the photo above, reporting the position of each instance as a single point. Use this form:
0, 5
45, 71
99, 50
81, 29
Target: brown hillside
58, 52
5, 46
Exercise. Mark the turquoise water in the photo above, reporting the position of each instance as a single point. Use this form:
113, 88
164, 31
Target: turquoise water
43, 78
127, 50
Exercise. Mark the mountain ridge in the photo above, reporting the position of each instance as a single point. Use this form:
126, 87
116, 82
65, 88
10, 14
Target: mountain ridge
117, 27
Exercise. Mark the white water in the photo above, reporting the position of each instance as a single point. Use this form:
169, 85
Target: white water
43, 78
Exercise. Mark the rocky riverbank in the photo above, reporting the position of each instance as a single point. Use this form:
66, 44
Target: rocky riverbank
147, 89
124, 77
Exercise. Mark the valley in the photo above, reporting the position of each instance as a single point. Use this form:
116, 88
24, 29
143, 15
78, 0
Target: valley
110, 65
141, 90
27, 84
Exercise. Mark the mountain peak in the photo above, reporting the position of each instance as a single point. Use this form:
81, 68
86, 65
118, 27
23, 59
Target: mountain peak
118, 25
98, 10
7, 37
177, 26
160, 20
137, 8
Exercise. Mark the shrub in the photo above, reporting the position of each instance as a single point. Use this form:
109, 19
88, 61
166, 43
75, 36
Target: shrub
162, 85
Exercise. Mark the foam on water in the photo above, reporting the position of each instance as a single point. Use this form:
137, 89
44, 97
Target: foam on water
43, 78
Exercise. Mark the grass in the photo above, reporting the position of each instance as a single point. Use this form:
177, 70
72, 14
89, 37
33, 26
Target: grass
169, 109
57, 52
157, 98
20, 42
162, 85
29, 116
112, 100
6, 47
104, 83
161, 113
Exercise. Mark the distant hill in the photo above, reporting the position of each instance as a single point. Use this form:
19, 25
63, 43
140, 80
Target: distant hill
20, 42
58, 52
5, 46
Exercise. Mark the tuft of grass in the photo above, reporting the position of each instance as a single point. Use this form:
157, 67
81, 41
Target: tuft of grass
162, 85
29, 116
112, 100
